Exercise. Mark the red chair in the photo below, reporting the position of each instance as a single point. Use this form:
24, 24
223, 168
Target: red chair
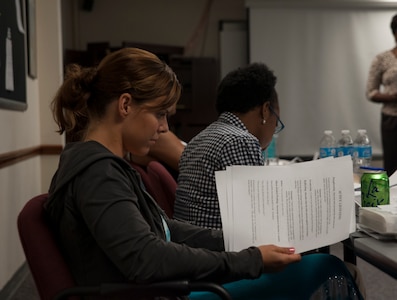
46, 264
159, 183
52, 275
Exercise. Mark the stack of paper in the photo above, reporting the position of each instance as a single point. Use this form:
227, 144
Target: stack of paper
305, 205
381, 219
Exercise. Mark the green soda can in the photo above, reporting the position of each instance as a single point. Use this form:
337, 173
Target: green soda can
375, 188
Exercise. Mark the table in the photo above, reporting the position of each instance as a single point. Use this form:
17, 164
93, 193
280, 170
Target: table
379, 253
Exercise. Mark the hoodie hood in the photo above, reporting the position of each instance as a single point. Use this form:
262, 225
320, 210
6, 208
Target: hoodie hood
75, 158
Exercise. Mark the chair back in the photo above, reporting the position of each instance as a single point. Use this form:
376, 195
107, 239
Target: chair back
54, 280
160, 184
47, 265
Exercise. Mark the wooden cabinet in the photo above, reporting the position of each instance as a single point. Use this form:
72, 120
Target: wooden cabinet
196, 108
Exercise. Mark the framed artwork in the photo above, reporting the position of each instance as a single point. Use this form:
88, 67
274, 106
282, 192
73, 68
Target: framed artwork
12, 55
31, 37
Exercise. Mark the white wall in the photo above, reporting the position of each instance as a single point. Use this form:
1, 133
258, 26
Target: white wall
233, 47
50, 76
321, 52
33, 127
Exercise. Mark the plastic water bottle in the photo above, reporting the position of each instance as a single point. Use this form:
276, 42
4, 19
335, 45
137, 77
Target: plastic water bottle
327, 145
362, 150
345, 144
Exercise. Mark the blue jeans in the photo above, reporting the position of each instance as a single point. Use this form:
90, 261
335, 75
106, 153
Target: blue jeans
322, 275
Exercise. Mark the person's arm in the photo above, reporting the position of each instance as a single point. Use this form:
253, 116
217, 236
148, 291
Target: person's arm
168, 150
274, 258
196, 237
111, 206
383, 98
374, 83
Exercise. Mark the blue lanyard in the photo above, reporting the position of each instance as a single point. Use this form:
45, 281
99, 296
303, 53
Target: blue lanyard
166, 230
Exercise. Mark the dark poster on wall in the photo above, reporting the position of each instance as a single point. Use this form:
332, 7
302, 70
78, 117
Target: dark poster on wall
12, 55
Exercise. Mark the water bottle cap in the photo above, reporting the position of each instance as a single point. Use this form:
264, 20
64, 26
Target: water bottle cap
362, 131
327, 131
345, 131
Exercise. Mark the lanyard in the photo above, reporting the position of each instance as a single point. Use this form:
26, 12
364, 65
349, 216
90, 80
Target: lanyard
166, 230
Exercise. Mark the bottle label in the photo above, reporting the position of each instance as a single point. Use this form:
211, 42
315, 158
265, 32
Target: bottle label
327, 152
346, 150
364, 151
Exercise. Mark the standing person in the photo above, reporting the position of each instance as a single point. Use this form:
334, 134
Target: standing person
111, 230
382, 88
248, 109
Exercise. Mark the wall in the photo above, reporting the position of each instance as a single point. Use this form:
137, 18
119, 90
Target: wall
321, 54
171, 22
33, 127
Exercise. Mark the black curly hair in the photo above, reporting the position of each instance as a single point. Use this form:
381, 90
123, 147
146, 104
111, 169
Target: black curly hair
245, 88
393, 24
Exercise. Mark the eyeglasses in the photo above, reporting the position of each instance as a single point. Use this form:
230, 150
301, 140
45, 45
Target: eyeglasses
280, 125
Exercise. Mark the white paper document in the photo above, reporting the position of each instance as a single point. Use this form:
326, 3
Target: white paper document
305, 205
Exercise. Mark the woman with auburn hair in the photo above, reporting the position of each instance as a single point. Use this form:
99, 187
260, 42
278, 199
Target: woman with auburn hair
111, 230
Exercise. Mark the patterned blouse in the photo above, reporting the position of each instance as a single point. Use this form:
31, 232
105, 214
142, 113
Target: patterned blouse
383, 78
225, 142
